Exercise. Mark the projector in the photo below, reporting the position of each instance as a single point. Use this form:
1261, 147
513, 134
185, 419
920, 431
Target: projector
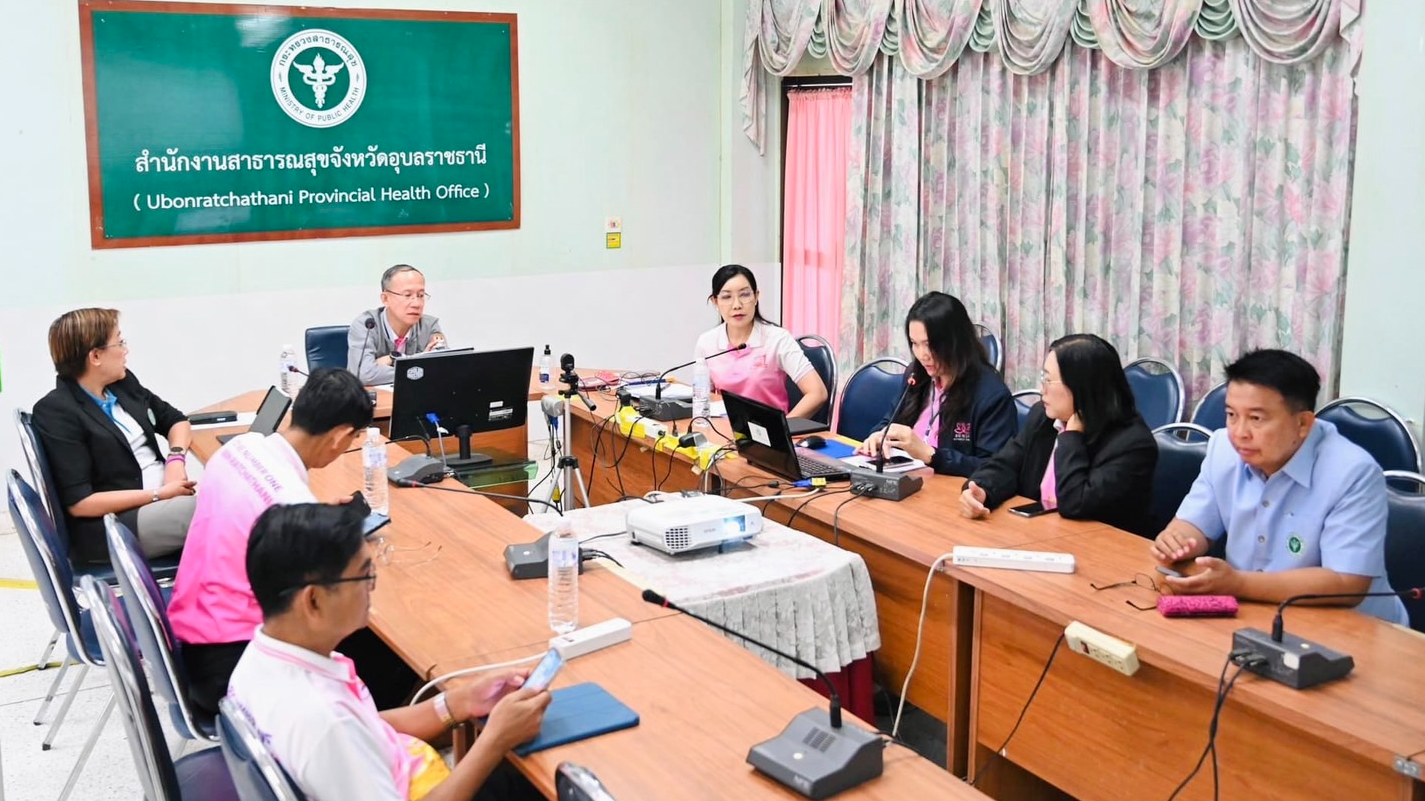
680, 525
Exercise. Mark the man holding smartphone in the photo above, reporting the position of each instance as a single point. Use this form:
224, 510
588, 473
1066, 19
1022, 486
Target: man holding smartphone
1304, 508
313, 572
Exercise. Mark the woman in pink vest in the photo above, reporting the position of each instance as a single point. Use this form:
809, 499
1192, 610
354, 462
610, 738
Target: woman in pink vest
772, 355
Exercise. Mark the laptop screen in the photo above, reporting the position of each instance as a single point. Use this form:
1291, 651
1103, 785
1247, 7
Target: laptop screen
762, 435
270, 413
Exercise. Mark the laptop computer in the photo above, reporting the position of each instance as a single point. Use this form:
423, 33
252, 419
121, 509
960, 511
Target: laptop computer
269, 415
764, 439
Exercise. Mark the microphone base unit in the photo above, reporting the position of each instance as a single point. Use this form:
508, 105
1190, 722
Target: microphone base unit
530, 560
421, 469
817, 760
886, 486
665, 410
1296, 662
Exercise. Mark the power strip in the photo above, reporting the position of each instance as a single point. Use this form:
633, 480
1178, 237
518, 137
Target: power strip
1007, 559
592, 638
1111, 651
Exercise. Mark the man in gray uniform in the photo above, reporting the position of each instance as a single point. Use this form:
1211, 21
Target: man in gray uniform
399, 327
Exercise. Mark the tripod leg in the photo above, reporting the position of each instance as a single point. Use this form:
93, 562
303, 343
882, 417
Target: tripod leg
583, 490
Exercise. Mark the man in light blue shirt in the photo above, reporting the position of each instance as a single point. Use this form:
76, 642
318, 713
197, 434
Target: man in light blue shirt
1305, 507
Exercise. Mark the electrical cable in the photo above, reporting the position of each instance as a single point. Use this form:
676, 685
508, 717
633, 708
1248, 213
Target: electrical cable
471, 671
1242, 659
998, 752
473, 491
919, 635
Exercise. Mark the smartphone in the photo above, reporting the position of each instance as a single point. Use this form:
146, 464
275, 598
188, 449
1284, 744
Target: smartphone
544, 672
373, 523
1168, 571
891, 461
1030, 510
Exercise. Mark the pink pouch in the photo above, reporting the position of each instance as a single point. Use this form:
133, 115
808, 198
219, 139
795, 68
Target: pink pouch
1197, 606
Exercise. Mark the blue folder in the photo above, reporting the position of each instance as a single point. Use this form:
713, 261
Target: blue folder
577, 713
836, 449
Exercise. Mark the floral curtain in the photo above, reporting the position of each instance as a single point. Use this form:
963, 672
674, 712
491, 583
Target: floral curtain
1188, 212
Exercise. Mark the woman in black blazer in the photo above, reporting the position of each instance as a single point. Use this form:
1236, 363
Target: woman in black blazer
99, 429
1102, 452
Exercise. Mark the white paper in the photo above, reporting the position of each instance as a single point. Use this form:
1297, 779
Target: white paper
717, 409
759, 434
858, 460
670, 391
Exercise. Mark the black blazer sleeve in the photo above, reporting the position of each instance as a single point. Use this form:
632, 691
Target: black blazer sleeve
994, 421
999, 475
59, 424
1109, 481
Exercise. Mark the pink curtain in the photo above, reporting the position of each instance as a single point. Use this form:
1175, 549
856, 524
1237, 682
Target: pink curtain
814, 216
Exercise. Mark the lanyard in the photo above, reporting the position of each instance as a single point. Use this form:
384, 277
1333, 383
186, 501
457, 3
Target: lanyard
107, 404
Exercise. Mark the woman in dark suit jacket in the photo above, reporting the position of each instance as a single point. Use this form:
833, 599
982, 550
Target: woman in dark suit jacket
1084, 450
99, 429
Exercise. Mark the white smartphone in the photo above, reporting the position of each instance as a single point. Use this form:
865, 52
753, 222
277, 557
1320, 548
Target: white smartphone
544, 672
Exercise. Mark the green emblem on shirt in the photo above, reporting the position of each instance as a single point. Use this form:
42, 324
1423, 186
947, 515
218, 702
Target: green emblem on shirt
1294, 544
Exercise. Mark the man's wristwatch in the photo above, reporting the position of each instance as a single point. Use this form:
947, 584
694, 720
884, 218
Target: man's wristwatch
443, 710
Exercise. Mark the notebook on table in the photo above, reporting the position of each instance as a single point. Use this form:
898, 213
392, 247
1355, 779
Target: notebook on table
269, 415
765, 439
578, 713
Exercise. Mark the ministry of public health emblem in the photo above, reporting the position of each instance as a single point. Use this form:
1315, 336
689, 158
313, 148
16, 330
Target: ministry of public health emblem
318, 78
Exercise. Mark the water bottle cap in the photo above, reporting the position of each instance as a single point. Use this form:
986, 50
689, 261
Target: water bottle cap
373, 434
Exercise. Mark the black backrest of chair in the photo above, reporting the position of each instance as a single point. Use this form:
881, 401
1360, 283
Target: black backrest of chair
141, 721
326, 346
38, 460
1211, 410
1181, 449
1382, 433
1405, 540
818, 351
254, 771
48, 558
870, 393
1157, 391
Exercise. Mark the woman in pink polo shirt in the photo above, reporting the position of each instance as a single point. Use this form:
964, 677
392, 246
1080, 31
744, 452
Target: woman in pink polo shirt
772, 355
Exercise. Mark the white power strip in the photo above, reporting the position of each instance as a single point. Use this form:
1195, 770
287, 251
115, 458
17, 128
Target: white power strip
1042, 561
592, 638
1111, 651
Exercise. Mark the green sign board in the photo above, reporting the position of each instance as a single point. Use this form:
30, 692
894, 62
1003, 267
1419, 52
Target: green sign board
222, 123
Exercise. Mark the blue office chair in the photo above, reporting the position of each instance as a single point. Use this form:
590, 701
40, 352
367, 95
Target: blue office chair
202, 776
992, 347
870, 393
55, 578
147, 612
1157, 391
326, 347
1377, 428
823, 359
254, 771
1211, 410
1405, 538
1181, 449
1024, 401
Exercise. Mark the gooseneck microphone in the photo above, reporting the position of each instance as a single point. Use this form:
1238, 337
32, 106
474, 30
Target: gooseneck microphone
1296, 661
1414, 593
895, 412
809, 756
370, 324
658, 385
659, 600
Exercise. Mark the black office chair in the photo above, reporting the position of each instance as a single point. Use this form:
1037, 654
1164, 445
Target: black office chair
202, 776
823, 360
1181, 449
1024, 401
992, 347
254, 771
326, 347
1377, 428
1157, 391
1405, 538
1211, 411
870, 393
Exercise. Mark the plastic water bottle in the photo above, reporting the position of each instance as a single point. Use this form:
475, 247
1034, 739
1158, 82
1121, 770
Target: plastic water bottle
701, 388
563, 578
373, 460
544, 365
287, 380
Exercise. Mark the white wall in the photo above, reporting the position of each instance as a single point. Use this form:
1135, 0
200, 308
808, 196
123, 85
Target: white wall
1382, 344
623, 110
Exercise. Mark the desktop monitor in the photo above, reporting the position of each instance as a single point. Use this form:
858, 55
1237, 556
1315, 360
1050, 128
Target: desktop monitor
466, 392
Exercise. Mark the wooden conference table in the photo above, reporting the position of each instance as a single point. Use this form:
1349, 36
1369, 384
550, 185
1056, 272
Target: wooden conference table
446, 601
1091, 733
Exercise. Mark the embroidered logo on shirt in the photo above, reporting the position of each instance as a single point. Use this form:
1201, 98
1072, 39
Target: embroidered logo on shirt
962, 432
1294, 544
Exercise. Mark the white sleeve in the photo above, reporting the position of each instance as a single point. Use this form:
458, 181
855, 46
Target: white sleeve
346, 761
793, 360
706, 344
